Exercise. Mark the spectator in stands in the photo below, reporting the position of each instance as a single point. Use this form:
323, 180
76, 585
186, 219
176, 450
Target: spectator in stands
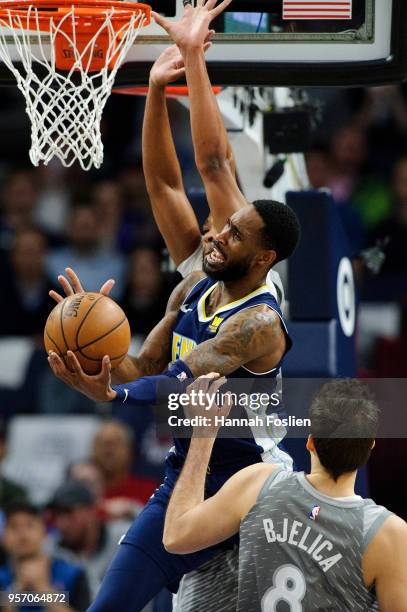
26, 304
10, 492
364, 194
147, 290
124, 494
85, 253
89, 475
109, 206
318, 167
53, 196
30, 569
138, 222
383, 115
19, 198
395, 228
83, 536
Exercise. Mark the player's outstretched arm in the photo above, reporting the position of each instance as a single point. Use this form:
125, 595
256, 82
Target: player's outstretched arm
171, 208
191, 523
213, 153
385, 562
245, 337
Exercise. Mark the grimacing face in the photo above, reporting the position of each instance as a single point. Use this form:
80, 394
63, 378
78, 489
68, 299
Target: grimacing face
235, 250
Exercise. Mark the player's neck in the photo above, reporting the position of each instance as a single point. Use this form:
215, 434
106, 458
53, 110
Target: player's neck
235, 290
324, 483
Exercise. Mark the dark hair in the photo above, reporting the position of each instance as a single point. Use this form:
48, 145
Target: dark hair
282, 230
344, 421
23, 507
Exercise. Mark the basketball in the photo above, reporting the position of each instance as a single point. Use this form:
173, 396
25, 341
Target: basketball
91, 325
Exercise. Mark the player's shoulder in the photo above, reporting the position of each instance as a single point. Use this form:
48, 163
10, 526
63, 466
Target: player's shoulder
247, 485
258, 319
181, 291
393, 528
389, 537
253, 477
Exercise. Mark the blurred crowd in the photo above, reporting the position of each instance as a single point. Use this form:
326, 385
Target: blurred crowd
360, 155
100, 224
68, 546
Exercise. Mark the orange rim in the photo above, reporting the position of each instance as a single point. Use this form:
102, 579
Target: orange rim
88, 13
171, 91
83, 19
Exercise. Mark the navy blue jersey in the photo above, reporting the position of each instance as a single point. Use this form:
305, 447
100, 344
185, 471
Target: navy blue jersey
193, 327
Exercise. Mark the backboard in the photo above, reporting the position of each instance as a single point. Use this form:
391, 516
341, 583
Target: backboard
288, 43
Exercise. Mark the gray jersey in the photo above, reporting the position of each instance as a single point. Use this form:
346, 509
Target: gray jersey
301, 551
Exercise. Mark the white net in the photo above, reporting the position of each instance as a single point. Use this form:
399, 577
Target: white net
65, 108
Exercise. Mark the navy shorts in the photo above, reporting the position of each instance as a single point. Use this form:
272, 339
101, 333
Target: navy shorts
142, 567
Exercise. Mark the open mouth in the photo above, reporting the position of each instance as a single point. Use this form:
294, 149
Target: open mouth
215, 256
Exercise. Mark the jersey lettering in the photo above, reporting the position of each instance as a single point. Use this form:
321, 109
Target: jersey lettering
296, 534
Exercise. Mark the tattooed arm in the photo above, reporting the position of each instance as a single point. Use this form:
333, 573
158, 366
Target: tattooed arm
252, 337
155, 354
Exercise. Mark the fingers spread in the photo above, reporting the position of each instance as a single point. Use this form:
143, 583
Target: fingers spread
76, 283
160, 20
106, 368
55, 296
210, 35
107, 286
73, 363
65, 285
221, 7
57, 364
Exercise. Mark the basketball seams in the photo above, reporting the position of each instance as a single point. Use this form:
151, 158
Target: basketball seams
79, 348
99, 360
84, 319
62, 325
55, 344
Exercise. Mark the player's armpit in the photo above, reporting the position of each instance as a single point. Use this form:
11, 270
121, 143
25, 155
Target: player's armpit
245, 337
218, 518
385, 563
221, 188
155, 354
176, 221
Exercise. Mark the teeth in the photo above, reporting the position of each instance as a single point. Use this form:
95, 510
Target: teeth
216, 257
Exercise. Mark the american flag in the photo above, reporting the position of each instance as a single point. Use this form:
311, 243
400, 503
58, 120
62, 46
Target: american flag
320, 9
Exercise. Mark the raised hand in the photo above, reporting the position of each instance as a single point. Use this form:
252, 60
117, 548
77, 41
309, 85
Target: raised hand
72, 285
69, 370
193, 28
169, 66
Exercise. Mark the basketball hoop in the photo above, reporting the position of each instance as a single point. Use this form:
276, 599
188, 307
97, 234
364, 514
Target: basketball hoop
171, 91
78, 47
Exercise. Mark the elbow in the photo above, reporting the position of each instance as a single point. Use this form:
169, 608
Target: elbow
172, 544
177, 542
212, 165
